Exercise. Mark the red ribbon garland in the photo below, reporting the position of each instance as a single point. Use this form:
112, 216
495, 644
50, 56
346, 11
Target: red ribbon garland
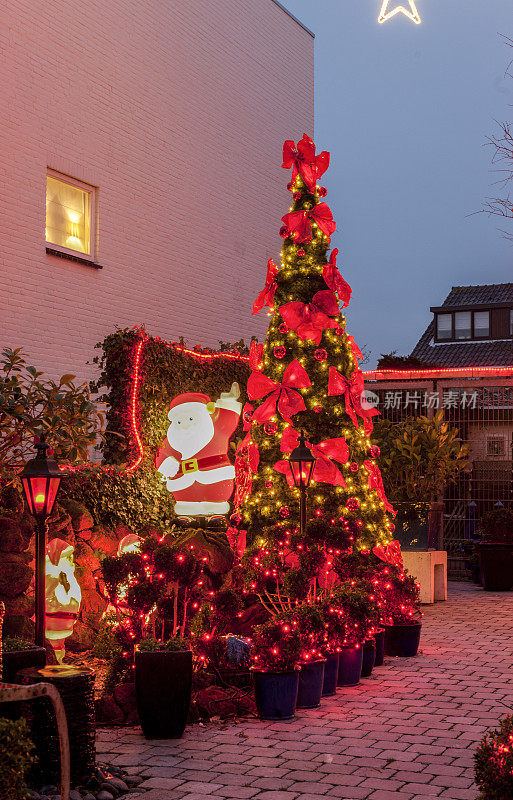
357, 353
283, 396
324, 471
266, 296
391, 554
352, 390
309, 320
375, 481
299, 223
304, 161
335, 281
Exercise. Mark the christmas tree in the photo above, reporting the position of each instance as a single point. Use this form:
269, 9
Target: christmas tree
305, 377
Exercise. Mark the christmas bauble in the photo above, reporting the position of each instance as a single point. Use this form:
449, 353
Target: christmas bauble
317, 409
353, 466
284, 512
301, 252
236, 518
297, 195
374, 451
290, 186
283, 328
322, 191
269, 484
353, 504
338, 330
321, 354
391, 527
247, 416
270, 428
280, 351
284, 231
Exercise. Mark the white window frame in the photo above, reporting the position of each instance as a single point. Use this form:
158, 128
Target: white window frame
92, 192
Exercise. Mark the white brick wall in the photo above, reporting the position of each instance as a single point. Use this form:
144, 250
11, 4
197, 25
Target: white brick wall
177, 111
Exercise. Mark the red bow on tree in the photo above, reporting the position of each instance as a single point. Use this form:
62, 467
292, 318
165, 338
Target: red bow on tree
375, 482
335, 280
256, 355
391, 553
324, 470
352, 390
283, 396
266, 296
304, 161
299, 223
309, 320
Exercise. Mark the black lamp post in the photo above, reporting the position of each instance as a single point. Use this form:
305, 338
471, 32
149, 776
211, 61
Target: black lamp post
41, 479
302, 462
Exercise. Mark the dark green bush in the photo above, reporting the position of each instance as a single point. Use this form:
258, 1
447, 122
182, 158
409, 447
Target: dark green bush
493, 763
151, 645
497, 525
15, 758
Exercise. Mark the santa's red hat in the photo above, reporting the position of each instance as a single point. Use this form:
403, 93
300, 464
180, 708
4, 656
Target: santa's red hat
192, 397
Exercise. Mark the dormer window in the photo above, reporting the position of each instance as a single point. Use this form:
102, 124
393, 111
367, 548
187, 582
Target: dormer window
464, 326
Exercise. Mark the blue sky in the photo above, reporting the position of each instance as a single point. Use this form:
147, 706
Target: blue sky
406, 110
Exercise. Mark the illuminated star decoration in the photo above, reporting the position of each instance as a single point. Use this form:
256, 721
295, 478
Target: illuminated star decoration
412, 14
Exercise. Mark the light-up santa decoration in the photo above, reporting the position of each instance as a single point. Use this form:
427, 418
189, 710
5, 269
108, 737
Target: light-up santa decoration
63, 594
193, 459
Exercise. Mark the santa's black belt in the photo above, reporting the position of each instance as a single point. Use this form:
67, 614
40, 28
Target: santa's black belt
207, 462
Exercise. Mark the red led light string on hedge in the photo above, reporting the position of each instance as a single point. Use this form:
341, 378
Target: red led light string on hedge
134, 391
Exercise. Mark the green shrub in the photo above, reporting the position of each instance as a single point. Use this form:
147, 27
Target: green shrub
15, 758
106, 645
497, 525
493, 763
12, 643
151, 645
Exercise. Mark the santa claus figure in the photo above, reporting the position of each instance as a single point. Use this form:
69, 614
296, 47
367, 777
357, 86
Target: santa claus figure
193, 459
63, 595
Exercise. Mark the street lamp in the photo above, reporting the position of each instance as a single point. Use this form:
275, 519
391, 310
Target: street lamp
41, 479
302, 462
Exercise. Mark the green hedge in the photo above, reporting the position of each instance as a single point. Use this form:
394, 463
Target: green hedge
15, 758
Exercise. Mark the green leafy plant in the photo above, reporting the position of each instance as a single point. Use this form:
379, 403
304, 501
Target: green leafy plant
106, 645
16, 757
276, 645
497, 526
152, 645
493, 763
31, 404
12, 644
419, 456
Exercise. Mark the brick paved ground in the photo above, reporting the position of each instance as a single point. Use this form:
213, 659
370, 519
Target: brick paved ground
407, 732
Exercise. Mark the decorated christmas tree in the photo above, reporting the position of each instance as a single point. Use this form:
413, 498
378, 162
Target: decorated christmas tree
306, 377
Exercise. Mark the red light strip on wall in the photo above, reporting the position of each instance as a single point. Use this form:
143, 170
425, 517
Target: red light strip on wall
443, 372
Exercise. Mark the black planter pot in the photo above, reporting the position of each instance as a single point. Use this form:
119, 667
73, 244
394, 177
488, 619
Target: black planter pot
496, 566
349, 666
15, 660
276, 694
163, 683
379, 638
311, 681
329, 686
402, 640
369, 657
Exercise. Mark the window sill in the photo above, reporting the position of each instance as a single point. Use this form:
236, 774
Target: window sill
78, 259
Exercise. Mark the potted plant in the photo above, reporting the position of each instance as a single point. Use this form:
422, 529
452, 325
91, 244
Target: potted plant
276, 652
20, 654
496, 550
402, 614
334, 634
356, 602
493, 762
163, 684
311, 659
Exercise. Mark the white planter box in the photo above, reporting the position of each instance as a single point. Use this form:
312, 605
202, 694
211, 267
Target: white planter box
430, 570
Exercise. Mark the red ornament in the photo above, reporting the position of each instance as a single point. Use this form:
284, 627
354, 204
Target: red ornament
290, 186
353, 504
283, 328
270, 428
317, 409
284, 512
301, 252
321, 354
353, 466
374, 451
338, 331
247, 416
269, 484
391, 527
297, 195
280, 351
322, 191
284, 231
236, 518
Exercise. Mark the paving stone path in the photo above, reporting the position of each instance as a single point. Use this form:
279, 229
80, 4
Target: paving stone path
407, 732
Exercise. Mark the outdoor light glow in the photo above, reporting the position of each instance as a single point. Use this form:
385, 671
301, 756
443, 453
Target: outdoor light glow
385, 14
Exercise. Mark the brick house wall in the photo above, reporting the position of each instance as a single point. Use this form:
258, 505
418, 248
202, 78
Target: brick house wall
177, 113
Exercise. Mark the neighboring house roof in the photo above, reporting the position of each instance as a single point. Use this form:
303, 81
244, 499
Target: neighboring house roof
468, 354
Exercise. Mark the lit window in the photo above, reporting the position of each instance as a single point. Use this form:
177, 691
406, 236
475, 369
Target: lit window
495, 446
444, 326
69, 214
462, 325
481, 324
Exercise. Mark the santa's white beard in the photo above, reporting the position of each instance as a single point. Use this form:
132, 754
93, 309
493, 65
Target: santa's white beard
190, 441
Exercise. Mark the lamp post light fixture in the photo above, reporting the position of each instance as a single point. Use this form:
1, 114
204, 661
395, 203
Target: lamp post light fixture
40, 478
302, 462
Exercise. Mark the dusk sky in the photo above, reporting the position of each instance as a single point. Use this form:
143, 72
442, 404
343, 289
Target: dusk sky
405, 110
